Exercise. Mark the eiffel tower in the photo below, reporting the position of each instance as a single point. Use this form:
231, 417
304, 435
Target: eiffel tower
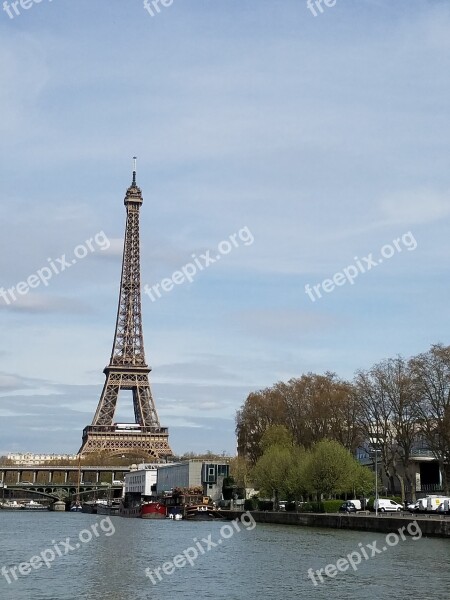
127, 369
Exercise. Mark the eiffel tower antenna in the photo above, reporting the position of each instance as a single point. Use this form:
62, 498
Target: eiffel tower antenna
128, 369
134, 169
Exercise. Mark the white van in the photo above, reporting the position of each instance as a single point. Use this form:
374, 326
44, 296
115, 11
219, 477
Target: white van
443, 508
433, 502
422, 504
386, 505
357, 503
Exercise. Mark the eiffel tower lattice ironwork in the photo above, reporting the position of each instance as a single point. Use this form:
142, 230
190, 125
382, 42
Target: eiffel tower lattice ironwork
127, 369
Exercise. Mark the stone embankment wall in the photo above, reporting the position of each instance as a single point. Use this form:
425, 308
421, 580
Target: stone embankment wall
430, 525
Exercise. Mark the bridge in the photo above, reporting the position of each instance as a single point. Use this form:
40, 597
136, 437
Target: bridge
49, 471
59, 491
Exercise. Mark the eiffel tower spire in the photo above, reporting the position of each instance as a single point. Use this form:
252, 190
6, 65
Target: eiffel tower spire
128, 346
127, 369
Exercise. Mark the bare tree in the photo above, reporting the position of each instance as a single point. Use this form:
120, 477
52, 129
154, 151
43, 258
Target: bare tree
312, 408
260, 411
375, 415
431, 377
395, 378
389, 400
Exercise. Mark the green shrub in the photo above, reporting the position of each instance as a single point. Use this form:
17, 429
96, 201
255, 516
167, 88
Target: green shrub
311, 507
251, 504
331, 506
265, 505
397, 499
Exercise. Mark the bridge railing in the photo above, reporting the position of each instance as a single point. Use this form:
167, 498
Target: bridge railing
64, 468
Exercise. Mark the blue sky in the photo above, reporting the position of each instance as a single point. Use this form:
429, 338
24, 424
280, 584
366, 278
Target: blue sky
327, 137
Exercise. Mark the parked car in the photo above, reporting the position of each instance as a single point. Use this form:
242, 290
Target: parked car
348, 507
413, 506
359, 504
387, 505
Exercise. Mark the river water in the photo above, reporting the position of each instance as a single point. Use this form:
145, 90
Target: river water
106, 559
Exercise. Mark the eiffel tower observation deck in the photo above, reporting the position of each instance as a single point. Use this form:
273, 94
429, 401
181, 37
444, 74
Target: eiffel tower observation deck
128, 369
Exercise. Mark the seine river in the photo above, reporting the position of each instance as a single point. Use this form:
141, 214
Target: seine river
93, 557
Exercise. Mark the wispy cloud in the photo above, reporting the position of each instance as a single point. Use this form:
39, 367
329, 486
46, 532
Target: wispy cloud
327, 139
10, 413
416, 206
45, 303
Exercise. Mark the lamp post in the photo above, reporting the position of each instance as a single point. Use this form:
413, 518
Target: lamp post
374, 443
78, 480
376, 482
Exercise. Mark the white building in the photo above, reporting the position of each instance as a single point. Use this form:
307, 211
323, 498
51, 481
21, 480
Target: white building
194, 473
29, 459
141, 480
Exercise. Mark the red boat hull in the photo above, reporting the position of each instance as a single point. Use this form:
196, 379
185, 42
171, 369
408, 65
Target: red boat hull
153, 510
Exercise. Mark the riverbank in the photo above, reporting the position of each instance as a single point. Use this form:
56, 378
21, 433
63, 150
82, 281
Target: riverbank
430, 525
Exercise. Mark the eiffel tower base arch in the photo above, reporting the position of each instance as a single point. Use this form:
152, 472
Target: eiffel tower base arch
147, 442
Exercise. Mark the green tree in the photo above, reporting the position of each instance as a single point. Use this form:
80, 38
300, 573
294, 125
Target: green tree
362, 480
271, 471
276, 435
240, 471
296, 479
330, 468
